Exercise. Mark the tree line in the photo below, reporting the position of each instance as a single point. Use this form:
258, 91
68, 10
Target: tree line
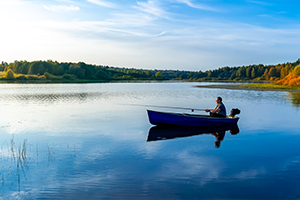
49, 69
244, 73
291, 79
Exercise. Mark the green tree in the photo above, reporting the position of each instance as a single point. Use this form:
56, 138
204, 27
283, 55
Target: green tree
159, 75
60, 70
148, 73
248, 72
10, 75
272, 72
3, 65
266, 72
102, 74
208, 73
34, 68
296, 70
241, 72
253, 73
260, 71
77, 71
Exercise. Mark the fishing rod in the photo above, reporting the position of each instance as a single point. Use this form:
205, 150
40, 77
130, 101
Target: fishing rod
181, 108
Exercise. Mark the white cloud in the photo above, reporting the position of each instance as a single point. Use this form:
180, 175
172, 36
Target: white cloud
11, 2
261, 3
62, 8
66, 1
99, 29
197, 6
162, 33
152, 8
132, 20
101, 3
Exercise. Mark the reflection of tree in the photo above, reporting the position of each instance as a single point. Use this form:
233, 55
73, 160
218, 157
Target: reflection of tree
294, 97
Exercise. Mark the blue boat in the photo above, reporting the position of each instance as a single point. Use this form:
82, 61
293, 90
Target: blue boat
183, 119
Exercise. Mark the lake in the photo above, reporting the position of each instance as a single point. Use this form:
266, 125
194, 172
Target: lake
86, 141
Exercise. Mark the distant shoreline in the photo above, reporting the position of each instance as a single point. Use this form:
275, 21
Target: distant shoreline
45, 81
250, 86
76, 81
256, 87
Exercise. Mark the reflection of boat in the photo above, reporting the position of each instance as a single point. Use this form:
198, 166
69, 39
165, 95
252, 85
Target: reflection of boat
171, 132
182, 119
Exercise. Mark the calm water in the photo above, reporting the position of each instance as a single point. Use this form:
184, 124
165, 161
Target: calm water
83, 141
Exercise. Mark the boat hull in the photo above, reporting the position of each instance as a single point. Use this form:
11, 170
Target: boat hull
182, 119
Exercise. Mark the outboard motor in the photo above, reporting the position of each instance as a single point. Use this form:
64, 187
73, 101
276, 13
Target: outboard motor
234, 111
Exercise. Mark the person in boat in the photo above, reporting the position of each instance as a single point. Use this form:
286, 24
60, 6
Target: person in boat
219, 110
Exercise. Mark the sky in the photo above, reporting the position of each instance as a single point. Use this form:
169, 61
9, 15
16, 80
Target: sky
151, 34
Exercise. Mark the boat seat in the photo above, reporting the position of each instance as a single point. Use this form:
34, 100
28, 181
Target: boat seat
231, 116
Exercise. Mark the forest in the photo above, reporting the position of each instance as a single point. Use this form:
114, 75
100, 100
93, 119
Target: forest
51, 71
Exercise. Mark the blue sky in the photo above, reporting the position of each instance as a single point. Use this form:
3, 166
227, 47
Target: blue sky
158, 34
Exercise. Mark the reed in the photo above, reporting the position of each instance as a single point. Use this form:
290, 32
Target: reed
19, 161
50, 153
